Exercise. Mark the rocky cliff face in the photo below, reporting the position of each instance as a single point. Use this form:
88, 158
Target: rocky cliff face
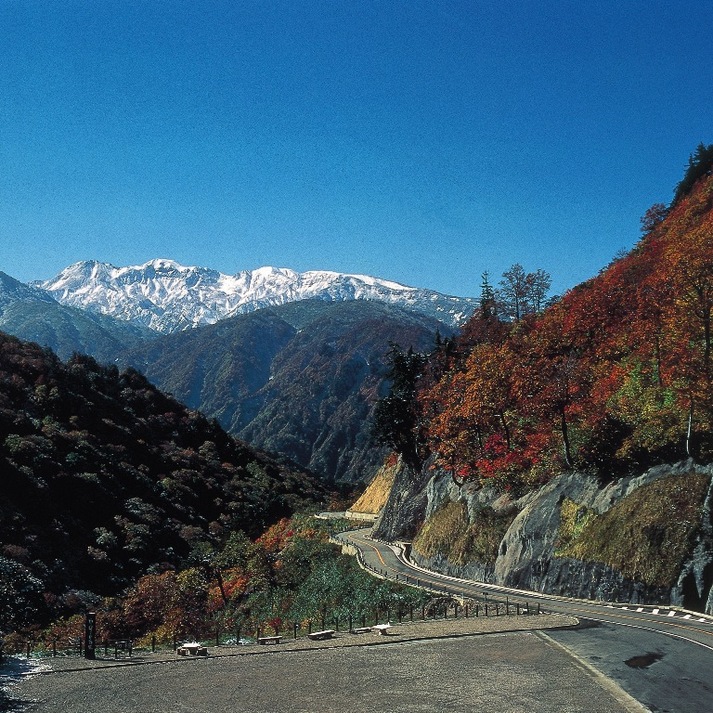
574, 536
405, 509
694, 587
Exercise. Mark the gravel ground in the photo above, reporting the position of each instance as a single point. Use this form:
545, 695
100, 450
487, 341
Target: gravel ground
497, 664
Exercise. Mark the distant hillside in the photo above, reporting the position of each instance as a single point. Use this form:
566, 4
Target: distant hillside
104, 477
32, 314
300, 379
168, 297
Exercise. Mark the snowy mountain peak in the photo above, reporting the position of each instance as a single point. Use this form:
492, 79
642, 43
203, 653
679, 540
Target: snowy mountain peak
165, 265
167, 296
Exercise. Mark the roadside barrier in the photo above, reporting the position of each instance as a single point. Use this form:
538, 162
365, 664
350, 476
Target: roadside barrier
489, 605
443, 606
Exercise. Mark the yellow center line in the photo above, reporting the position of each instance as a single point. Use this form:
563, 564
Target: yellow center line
378, 554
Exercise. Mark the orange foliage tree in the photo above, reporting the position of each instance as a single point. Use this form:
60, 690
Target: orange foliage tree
615, 376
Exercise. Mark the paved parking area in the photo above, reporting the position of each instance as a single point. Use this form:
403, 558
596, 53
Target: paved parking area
405, 631
510, 672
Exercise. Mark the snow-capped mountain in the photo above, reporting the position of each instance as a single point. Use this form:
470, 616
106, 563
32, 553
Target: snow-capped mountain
168, 297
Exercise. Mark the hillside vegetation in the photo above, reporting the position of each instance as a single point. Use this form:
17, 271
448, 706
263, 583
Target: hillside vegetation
31, 314
568, 449
105, 478
462, 539
614, 377
646, 536
300, 380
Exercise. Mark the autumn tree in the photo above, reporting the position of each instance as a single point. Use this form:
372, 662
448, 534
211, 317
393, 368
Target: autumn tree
654, 216
689, 260
454, 428
615, 376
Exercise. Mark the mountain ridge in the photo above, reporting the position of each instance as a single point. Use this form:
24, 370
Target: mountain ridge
299, 379
167, 297
32, 314
265, 375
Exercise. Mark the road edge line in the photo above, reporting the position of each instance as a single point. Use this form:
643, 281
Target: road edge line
620, 695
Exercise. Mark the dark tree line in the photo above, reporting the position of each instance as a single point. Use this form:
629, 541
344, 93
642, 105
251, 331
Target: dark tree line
700, 163
396, 415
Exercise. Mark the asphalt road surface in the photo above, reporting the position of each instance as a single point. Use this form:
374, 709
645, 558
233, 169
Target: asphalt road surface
661, 657
522, 672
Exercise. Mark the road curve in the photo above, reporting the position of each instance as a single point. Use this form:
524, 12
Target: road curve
661, 656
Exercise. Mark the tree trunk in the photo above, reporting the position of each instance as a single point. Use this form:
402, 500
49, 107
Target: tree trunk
707, 346
565, 440
505, 429
689, 432
454, 478
657, 348
221, 585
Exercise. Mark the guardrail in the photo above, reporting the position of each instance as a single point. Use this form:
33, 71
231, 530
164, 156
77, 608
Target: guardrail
490, 605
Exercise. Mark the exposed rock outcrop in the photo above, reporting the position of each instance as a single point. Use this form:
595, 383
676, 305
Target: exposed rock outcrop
405, 509
531, 554
694, 587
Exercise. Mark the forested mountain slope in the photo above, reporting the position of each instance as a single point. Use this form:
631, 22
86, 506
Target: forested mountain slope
104, 477
613, 378
571, 451
300, 379
32, 314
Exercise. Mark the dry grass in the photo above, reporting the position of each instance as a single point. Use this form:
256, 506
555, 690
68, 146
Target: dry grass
377, 493
646, 536
450, 533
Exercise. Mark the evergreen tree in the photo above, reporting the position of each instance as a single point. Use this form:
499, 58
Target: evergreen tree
20, 595
396, 416
488, 307
700, 163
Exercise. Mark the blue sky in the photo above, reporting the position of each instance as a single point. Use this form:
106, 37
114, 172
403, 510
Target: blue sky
421, 141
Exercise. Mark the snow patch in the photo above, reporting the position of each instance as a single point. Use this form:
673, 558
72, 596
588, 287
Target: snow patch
167, 296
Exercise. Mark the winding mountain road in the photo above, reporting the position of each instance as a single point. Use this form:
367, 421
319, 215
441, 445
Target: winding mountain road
660, 656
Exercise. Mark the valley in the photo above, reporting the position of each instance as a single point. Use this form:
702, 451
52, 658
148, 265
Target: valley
356, 356
297, 377
555, 446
